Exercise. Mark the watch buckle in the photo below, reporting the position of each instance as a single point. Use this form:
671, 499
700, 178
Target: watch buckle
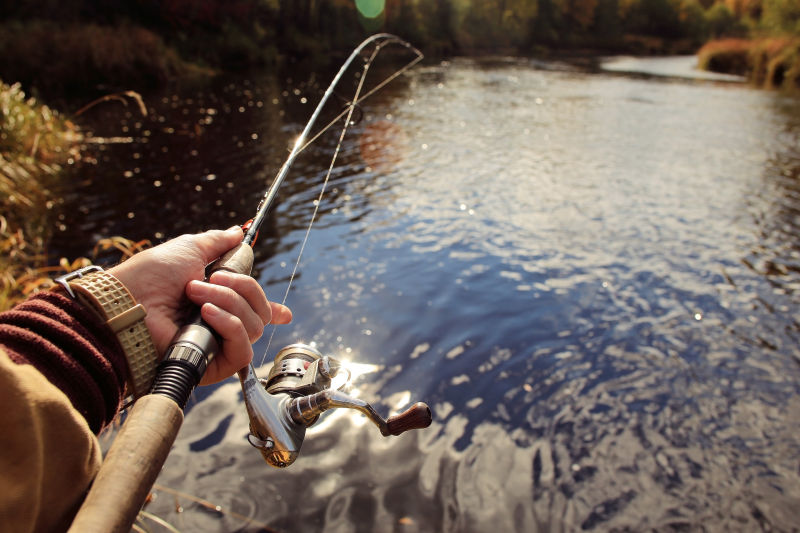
75, 274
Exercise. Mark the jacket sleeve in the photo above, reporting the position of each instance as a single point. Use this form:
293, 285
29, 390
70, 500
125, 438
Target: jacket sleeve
71, 347
49, 455
62, 379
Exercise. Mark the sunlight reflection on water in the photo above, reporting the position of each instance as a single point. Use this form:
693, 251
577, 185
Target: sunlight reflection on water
591, 279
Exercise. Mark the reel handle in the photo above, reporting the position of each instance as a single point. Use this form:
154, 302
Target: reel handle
418, 416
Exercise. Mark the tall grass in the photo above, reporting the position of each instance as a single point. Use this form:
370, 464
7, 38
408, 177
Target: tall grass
36, 143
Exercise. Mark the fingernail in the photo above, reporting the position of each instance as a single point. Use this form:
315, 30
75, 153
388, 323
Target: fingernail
211, 310
219, 277
284, 315
195, 287
237, 229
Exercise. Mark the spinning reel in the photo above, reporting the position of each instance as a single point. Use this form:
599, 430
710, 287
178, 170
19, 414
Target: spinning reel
296, 391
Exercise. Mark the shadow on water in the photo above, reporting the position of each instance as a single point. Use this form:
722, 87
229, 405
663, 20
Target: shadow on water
592, 279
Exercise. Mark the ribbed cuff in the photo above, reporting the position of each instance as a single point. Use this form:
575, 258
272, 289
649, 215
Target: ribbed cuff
72, 348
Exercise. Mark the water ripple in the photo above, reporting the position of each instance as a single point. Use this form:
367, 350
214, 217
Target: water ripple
592, 279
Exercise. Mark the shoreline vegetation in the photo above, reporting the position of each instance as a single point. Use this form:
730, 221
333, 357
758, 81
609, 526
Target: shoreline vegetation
90, 49
767, 62
36, 145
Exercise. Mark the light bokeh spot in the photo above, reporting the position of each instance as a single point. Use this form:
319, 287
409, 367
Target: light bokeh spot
370, 8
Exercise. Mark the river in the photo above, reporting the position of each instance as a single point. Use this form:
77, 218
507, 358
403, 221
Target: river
592, 278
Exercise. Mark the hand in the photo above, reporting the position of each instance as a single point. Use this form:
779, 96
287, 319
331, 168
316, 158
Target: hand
234, 305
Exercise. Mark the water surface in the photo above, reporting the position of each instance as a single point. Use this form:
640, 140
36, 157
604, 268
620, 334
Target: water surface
592, 279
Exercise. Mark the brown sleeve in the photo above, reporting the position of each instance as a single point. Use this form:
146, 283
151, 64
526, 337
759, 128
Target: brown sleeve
71, 347
48, 454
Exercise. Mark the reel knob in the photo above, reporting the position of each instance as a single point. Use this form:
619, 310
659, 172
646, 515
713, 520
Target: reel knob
418, 416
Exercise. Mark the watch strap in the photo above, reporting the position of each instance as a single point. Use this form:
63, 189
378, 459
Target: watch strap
111, 300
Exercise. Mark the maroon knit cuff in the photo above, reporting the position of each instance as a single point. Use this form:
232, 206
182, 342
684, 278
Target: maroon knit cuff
73, 348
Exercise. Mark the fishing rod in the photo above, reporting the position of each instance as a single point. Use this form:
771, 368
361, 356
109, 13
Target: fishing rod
297, 390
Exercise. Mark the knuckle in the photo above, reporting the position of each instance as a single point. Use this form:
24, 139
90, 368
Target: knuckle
227, 296
236, 326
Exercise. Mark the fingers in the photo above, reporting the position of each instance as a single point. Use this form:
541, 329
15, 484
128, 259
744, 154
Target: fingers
236, 348
280, 313
242, 301
235, 306
246, 286
241, 296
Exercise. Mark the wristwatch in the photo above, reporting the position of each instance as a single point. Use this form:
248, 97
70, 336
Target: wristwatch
113, 303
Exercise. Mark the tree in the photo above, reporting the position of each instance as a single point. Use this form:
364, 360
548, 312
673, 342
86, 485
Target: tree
781, 16
497, 23
658, 18
721, 21
580, 12
745, 8
693, 19
607, 23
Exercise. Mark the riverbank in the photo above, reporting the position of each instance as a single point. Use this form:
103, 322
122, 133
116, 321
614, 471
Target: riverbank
771, 63
59, 61
56, 60
36, 143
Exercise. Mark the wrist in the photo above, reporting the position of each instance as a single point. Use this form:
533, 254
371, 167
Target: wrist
108, 298
123, 273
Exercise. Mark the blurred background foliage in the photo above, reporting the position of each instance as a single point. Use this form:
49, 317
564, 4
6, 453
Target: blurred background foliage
80, 50
52, 46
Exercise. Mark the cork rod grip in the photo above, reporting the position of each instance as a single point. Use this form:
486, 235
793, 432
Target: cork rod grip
238, 260
130, 467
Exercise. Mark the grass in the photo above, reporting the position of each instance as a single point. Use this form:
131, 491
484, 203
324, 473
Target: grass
25, 268
772, 62
36, 143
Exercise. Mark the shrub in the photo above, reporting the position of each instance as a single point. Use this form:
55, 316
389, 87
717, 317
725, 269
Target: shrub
56, 58
722, 22
768, 62
730, 56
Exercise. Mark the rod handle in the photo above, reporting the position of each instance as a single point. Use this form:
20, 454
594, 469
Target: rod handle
238, 260
130, 467
196, 344
418, 416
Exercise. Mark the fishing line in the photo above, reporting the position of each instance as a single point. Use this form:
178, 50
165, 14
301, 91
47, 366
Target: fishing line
357, 98
278, 421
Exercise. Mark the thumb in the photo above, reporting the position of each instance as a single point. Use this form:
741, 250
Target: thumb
212, 244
